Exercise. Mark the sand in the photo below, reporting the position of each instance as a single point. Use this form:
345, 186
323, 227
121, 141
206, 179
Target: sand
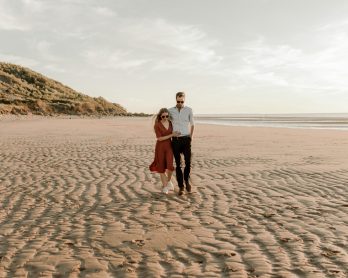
77, 200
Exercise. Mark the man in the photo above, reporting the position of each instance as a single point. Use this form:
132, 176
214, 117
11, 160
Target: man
182, 118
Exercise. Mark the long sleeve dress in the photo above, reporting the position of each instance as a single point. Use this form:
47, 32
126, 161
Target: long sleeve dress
163, 151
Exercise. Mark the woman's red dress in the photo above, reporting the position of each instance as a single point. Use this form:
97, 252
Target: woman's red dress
163, 151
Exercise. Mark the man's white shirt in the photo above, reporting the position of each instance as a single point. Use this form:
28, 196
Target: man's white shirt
182, 119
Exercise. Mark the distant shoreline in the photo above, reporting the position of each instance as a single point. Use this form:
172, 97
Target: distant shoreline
301, 121
281, 115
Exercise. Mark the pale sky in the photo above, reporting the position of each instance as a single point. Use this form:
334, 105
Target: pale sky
229, 56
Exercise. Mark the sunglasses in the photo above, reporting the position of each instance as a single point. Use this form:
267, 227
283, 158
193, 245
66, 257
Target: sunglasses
178, 101
165, 116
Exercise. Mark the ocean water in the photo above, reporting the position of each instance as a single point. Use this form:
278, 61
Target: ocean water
307, 121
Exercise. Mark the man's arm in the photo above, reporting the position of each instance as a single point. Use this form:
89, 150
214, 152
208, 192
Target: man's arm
192, 129
192, 123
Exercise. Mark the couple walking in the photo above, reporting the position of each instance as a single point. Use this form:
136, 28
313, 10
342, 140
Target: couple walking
173, 139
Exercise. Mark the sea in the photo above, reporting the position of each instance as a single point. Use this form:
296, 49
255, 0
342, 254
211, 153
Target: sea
334, 121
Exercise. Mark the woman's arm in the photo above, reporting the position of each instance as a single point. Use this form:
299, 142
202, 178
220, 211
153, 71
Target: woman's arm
167, 137
162, 138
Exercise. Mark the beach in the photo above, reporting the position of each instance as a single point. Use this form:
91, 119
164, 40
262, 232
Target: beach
78, 200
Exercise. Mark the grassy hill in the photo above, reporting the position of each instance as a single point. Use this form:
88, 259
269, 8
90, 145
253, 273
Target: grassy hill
23, 91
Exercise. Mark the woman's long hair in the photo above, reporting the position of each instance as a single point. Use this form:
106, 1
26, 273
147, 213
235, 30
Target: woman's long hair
157, 117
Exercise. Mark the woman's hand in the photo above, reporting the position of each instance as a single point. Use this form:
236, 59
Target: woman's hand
176, 134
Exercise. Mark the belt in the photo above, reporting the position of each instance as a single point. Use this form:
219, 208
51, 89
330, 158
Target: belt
182, 137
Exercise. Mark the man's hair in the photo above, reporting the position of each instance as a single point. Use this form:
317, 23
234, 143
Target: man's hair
180, 94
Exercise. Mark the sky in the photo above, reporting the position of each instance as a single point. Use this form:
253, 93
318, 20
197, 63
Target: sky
229, 56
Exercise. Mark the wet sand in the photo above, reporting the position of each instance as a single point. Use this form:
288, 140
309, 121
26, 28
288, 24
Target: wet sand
77, 200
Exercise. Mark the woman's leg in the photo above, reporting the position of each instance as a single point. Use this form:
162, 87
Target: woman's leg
170, 185
164, 179
169, 175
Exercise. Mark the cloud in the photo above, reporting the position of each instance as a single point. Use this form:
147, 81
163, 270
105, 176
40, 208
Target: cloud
322, 69
10, 20
45, 49
105, 11
105, 39
339, 24
99, 36
151, 44
54, 68
112, 59
174, 46
259, 54
34, 5
19, 60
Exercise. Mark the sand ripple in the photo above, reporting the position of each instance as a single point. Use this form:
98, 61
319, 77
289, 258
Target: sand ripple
88, 207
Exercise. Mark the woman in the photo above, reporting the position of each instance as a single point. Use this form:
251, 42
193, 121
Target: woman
163, 162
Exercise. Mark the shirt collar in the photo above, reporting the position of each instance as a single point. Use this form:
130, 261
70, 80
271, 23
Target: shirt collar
178, 108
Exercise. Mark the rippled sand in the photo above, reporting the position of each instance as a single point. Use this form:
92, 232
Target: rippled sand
77, 200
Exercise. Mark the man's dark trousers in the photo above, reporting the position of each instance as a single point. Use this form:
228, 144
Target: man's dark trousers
182, 145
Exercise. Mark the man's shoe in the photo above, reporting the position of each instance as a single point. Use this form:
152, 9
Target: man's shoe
181, 191
188, 187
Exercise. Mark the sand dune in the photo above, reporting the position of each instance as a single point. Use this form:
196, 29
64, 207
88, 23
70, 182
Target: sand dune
77, 200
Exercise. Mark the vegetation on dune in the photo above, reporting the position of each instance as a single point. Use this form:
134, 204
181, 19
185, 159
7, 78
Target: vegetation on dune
23, 91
